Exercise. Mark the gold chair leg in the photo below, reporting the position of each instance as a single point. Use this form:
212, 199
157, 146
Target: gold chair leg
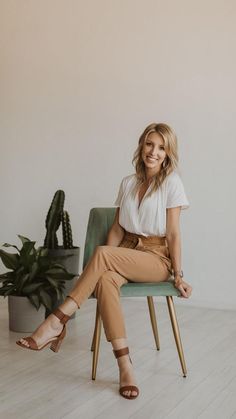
94, 331
176, 332
96, 342
153, 321
95, 328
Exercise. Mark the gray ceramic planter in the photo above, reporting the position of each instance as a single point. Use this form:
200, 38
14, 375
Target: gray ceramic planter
23, 316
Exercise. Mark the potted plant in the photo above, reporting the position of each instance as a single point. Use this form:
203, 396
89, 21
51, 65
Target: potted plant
31, 284
66, 254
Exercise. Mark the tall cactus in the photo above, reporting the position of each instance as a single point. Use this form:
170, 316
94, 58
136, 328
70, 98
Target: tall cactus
66, 231
53, 220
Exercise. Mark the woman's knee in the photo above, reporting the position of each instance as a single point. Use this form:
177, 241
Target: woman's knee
100, 251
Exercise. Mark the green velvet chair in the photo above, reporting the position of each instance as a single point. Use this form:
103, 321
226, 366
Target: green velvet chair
99, 223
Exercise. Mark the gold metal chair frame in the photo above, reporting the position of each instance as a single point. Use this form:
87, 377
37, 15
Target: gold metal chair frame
171, 308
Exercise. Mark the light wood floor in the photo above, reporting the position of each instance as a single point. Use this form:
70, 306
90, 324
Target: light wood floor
48, 385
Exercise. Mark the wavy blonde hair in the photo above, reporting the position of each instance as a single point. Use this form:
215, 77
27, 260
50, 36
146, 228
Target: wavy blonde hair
171, 160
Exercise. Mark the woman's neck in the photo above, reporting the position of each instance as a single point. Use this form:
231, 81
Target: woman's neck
150, 175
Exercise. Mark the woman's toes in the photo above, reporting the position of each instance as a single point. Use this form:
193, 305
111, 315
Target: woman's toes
130, 393
25, 342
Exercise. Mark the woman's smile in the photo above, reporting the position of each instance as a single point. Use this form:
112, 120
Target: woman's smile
152, 159
153, 144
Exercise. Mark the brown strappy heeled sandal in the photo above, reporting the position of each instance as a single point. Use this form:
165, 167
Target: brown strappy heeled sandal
118, 353
55, 341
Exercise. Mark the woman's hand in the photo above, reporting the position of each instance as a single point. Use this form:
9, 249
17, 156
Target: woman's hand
184, 288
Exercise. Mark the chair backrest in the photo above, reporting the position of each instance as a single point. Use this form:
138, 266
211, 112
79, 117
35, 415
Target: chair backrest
99, 223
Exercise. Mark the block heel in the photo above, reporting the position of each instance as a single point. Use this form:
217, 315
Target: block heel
55, 341
55, 346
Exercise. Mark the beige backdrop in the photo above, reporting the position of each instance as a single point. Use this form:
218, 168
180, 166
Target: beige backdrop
79, 82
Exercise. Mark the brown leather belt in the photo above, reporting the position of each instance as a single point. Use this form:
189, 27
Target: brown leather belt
161, 240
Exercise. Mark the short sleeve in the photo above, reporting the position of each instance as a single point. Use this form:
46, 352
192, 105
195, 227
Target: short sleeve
120, 194
176, 195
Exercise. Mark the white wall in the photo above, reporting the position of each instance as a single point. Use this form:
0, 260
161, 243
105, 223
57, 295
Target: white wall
81, 79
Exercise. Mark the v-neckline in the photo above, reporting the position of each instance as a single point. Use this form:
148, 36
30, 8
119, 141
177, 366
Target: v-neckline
137, 197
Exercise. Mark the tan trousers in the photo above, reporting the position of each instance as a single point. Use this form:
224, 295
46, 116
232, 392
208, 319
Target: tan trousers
136, 259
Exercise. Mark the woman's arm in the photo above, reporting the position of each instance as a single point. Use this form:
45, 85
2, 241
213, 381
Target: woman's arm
116, 232
173, 236
174, 244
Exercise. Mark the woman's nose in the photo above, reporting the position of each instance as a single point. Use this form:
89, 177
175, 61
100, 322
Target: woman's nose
154, 151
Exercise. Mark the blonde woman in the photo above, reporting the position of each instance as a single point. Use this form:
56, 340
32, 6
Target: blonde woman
143, 245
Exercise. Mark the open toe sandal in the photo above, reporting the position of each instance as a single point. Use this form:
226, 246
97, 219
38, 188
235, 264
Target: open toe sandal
55, 341
118, 353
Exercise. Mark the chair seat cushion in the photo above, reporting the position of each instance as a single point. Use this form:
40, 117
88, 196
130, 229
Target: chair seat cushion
144, 289
137, 289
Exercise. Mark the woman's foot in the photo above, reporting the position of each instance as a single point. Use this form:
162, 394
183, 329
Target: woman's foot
51, 327
127, 375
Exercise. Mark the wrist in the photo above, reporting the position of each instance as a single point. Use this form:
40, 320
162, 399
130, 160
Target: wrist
178, 277
178, 280
178, 273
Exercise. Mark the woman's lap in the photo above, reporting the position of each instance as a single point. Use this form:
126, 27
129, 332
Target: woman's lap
135, 265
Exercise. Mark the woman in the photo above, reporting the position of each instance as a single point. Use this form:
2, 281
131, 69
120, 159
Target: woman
143, 245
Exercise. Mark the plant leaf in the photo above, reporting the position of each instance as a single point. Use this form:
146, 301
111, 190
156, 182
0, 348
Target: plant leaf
43, 251
52, 281
11, 245
58, 292
10, 260
4, 289
34, 270
23, 239
34, 299
22, 282
27, 247
57, 275
4, 277
58, 267
46, 300
9, 291
27, 254
68, 276
30, 288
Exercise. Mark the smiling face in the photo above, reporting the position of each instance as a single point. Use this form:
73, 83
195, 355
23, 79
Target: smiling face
153, 153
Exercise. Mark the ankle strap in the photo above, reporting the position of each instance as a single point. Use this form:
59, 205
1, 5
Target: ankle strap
120, 352
61, 316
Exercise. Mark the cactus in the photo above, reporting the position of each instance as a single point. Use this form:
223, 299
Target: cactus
53, 220
66, 231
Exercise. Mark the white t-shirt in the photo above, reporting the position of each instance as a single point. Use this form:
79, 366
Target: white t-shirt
150, 218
